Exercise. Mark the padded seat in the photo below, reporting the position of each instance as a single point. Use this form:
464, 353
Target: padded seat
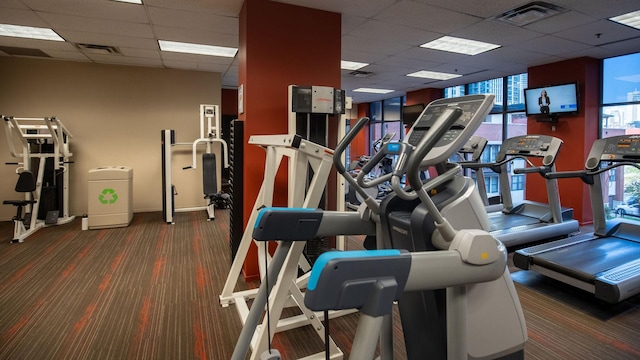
26, 184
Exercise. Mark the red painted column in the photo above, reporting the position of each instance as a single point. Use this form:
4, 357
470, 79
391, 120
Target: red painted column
578, 131
424, 96
280, 45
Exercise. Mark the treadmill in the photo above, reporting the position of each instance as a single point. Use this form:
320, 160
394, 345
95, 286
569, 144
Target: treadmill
605, 263
528, 221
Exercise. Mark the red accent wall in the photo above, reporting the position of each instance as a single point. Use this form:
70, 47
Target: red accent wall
578, 132
229, 102
424, 96
360, 144
280, 45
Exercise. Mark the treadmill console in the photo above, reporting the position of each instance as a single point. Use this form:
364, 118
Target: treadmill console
541, 146
614, 149
475, 108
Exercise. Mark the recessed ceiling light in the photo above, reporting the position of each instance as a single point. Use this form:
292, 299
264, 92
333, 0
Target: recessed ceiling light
198, 49
29, 32
433, 75
130, 1
351, 65
459, 45
630, 19
373, 91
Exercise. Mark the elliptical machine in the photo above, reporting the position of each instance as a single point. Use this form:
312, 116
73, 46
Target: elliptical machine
446, 216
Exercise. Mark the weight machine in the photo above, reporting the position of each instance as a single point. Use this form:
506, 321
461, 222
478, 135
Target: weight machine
210, 133
45, 149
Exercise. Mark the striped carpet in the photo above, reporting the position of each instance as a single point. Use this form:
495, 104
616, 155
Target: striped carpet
150, 291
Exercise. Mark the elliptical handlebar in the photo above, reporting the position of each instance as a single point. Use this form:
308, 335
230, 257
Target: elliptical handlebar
341, 169
346, 140
448, 117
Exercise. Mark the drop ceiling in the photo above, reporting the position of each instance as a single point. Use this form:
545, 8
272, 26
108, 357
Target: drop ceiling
387, 34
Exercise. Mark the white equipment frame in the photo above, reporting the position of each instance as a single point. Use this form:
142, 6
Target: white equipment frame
45, 130
210, 133
288, 286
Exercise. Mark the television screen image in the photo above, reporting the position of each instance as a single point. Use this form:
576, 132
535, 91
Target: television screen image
552, 100
410, 113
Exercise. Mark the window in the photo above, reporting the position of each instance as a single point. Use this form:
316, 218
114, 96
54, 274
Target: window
491, 185
493, 86
490, 152
507, 118
386, 119
620, 115
517, 182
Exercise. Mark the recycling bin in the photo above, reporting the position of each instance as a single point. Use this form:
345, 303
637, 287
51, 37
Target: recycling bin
110, 197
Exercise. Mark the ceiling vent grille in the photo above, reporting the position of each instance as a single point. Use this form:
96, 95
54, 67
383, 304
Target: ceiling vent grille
98, 49
361, 74
530, 13
18, 51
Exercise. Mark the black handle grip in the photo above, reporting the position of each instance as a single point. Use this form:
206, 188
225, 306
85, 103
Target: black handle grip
531, 170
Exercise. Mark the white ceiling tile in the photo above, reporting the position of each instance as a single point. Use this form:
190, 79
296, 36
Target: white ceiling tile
108, 39
350, 22
67, 55
599, 33
483, 9
178, 64
496, 32
388, 32
36, 44
408, 63
426, 17
167, 55
374, 45
600, 9
431, 55
213, 67
90, 8
124, 60
622, 47
563, 21
143, 53
196, 36
551, 45
13, 4
221, 7
103, 26
193, 20
20, 17
366, 8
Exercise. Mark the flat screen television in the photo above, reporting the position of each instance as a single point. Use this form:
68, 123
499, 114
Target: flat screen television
559, 99
410, 113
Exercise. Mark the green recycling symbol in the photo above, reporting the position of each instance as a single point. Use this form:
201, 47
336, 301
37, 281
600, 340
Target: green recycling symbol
108, 196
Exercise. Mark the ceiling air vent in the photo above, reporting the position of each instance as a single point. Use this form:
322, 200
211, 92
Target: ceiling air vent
530, 13
18, 51
361, 74
98, 49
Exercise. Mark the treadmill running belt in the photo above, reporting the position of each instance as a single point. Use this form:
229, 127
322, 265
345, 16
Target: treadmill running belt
500, 221
585, 260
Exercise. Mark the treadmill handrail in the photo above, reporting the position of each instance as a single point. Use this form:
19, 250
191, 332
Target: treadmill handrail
495, 166
587, 175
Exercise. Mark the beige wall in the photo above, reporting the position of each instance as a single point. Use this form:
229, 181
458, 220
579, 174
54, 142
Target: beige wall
115, 114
